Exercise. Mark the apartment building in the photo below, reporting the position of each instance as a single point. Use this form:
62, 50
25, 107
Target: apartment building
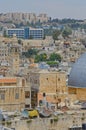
36, 33
26, 33
43, 18
17, 31
18, 17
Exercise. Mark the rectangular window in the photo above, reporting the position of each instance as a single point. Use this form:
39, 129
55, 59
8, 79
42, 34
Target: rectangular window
35, 81
23, 82
2, 96
27, 94
17, 96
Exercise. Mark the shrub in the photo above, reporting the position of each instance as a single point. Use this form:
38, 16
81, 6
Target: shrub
29, 121
3, 122
8, 122
55, 119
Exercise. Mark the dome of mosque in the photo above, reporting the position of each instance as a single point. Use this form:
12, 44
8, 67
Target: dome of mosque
77, 77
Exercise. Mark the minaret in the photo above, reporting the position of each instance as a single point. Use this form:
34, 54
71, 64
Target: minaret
14, 58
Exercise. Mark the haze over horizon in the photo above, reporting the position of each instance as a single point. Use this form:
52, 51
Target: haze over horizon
54, 8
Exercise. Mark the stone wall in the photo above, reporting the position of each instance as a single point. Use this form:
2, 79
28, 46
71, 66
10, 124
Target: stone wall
77, 93
81, 94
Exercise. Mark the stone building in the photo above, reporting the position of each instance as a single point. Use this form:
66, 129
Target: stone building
14, 56
4, 52
18, 17
52, 84
12, 93
14, 59
77, 80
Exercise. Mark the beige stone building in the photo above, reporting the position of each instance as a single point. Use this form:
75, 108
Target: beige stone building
14, 59
12, 93
77, 94
14, 56
17, 17
53, 84
4, 52
43, 18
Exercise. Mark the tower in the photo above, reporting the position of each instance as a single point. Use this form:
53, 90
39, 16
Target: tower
14, 59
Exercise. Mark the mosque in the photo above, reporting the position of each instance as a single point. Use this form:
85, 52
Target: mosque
77, 79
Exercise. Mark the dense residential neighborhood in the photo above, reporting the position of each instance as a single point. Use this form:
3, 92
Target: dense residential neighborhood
42, 72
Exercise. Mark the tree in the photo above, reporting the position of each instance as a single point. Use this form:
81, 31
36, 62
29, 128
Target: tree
37, 58
66, 32
4, 33
30, 53
41, 57
55, 57
19, 41
52, 63
55, 35
44, 37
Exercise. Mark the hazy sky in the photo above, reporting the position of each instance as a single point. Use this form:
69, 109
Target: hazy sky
54, 8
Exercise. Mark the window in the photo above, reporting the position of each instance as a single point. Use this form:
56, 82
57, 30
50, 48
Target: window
35, 81
40, 102
16, 50
27, 94
44, 94
58, 79
27, 106
23, 82
0, 84
2, 96
17, 96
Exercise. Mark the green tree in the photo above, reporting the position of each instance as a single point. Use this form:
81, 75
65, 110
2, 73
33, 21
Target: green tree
66, 32
55, 35
30, 53
41, 57
19, 41
44, 37
55, 57
4, 33
37, 58
52, 63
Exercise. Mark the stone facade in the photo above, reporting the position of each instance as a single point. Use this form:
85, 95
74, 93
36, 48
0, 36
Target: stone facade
77, 93
53, 84
12, 94
14, 58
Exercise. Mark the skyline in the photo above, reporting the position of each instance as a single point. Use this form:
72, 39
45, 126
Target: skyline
53, 8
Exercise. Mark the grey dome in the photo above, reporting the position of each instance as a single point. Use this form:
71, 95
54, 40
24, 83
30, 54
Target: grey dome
77, 77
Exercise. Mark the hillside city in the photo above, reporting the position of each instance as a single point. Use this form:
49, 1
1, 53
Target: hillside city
42, 72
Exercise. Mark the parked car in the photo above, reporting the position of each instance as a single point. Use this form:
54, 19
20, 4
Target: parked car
24, 114
33, 113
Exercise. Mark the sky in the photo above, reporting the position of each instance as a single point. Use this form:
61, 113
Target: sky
53, 8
